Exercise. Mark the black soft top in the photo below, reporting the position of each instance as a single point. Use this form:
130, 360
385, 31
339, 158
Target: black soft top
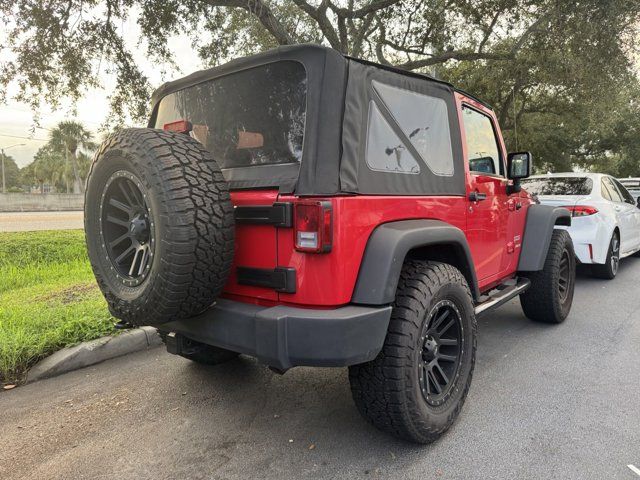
338, 95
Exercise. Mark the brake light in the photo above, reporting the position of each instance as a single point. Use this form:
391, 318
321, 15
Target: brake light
581, 210
313, 226
179, 126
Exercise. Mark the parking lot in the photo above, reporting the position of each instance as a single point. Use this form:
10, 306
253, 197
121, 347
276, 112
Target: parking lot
546, 402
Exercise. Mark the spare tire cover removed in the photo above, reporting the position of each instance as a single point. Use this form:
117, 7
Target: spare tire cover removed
159, 226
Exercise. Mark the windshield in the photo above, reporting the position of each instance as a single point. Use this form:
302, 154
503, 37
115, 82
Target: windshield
253, 117
558, 185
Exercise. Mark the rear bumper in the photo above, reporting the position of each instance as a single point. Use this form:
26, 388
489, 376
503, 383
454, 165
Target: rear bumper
285, 337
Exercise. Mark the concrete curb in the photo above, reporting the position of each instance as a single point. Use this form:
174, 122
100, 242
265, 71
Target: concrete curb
90, 353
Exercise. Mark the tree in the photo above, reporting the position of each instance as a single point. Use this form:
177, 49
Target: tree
67, 137
48, 167
11, 172
539, 54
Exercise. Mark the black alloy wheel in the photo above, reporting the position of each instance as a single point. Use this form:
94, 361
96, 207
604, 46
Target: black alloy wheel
127, 227
565, 276
442, 343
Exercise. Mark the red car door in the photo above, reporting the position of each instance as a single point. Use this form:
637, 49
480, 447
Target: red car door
488, 210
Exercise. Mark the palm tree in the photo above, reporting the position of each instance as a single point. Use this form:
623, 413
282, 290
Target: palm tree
69, 137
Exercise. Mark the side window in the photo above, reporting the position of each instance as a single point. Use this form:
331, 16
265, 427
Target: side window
424, 121
482, 147
613, 191
606, 194
385, 152
624, 192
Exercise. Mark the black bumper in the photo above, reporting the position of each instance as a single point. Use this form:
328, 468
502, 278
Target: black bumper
285, 337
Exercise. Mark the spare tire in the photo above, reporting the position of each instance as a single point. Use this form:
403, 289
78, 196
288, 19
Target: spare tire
159, 226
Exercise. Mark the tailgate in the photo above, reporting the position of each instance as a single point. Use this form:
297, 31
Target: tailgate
256, 248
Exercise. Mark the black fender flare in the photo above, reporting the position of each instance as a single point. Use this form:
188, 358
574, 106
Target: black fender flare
388, 247
541, 220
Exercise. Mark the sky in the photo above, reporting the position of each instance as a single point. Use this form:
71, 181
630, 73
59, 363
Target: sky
16, 119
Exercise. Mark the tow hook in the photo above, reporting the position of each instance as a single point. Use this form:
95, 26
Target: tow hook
180, 345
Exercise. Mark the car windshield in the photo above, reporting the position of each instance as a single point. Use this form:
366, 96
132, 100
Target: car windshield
558, 185
252, 117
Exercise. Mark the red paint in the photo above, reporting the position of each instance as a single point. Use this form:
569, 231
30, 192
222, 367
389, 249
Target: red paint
494, 229
255, 245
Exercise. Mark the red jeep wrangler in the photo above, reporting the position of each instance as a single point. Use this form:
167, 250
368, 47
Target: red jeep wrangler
308, 208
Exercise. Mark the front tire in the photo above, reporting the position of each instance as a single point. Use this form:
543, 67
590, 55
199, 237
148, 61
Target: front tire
549, 298
416, 386
609, 269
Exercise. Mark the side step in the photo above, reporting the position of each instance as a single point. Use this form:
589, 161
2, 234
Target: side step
502, 294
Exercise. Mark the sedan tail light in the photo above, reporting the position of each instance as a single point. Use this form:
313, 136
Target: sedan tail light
581, 210
313, 226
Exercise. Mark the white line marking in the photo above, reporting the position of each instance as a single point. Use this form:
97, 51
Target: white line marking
634, 469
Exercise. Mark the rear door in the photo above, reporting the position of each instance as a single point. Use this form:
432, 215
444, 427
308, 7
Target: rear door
632, 213
625, 216
488, 211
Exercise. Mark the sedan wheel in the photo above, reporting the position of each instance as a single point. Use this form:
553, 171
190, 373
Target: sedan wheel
609, 269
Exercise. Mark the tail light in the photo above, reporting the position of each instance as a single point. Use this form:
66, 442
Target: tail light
179, 126
313, 226
581, 210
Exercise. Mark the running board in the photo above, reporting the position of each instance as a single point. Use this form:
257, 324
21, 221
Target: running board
502, 294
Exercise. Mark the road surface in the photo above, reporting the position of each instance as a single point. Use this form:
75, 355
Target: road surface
552, 402
29, 221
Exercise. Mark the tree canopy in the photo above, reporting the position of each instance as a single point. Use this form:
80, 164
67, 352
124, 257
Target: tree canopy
560, 75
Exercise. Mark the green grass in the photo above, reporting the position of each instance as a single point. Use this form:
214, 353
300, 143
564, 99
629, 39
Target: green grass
48, 298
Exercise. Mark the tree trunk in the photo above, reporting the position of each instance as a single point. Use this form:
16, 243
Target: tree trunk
78, 186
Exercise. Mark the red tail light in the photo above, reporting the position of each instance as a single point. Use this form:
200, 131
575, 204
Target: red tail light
313, 226
581, 210
179, 126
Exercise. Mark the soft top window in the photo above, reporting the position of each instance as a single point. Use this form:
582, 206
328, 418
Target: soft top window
558, 185
250, 118
424, 122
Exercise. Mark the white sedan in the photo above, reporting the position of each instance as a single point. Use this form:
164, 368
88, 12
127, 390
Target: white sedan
605, 224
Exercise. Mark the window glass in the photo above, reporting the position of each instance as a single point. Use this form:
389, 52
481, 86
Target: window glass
425, 122
252, 117
482, 148
558, 185
613, 191
385, 151
606, 194
623, 191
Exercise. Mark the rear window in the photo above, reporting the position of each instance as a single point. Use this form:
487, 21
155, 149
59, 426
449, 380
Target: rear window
558, 186
252, 117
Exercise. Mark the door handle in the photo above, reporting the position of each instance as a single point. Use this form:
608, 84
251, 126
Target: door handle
477, 196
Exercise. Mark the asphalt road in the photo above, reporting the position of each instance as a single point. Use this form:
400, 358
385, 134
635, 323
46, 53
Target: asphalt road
552, 402
30, 221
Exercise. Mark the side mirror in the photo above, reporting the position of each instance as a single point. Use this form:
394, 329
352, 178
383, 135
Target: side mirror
518, 166
638, 201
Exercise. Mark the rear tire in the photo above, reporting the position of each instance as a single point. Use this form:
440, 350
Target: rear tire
160, 195
609, 269
433, 310
550, 295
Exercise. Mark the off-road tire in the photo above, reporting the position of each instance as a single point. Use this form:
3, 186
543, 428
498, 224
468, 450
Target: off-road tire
204, 354
387, 390
190, 220
543, 301
606, 270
